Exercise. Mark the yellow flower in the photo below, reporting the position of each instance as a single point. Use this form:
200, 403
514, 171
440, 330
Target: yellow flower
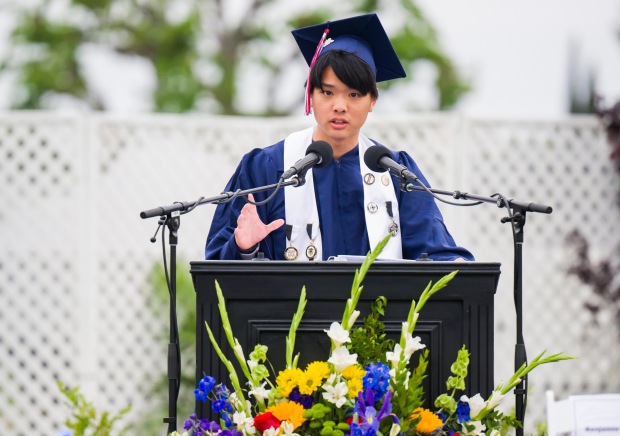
318, 369
313, 377
429, 422
288, 379
354, 374
289, 411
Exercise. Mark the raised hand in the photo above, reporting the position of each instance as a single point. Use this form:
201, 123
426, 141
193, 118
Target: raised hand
250, 229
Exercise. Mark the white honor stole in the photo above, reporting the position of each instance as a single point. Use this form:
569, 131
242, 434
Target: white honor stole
302, 216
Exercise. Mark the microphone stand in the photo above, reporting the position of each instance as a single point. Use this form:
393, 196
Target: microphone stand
516, 217
170, 216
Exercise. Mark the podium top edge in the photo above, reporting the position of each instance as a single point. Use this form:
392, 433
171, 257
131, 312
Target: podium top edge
376, 267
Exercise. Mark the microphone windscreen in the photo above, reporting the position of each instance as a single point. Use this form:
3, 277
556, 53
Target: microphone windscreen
324, 150
373, 155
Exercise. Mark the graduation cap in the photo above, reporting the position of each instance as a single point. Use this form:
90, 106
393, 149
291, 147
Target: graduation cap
362, 36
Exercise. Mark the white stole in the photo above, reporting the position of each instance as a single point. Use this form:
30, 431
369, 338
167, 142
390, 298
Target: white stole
302, 211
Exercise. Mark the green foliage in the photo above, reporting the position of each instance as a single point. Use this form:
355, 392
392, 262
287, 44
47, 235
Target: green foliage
404, 405
85, 417
321, 418
197, 58
456, 382
370, 341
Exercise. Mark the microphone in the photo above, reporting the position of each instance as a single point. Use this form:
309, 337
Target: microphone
379, 159
318, 154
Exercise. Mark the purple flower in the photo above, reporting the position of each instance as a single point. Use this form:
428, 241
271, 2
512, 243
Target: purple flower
305, 400
366, 411
210, 426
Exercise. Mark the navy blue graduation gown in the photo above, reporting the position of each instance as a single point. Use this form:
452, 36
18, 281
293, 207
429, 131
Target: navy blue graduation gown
340, 201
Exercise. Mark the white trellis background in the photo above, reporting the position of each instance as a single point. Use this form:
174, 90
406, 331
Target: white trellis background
75, 304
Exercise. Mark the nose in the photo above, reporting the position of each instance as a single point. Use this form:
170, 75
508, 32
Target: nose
340, 104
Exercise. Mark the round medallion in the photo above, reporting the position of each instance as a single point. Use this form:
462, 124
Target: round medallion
311, 251
369, 178
290, 253
393, 228
385, 179
372, 208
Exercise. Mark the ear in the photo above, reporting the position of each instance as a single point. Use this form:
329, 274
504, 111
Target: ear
372, 104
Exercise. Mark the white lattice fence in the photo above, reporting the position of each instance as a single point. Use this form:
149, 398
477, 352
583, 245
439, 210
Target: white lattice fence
76, 302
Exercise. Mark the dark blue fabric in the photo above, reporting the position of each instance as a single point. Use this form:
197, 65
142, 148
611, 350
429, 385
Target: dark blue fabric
340, 200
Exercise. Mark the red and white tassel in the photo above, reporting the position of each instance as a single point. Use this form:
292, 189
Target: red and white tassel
317, 52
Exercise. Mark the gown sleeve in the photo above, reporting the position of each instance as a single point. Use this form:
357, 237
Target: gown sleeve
423, 228
257, 168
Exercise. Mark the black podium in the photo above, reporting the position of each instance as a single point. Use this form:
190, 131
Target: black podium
261, 298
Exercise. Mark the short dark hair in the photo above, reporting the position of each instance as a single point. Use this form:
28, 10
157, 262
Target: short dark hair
350, 69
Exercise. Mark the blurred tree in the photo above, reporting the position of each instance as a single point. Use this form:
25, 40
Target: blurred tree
581, 84
204, 54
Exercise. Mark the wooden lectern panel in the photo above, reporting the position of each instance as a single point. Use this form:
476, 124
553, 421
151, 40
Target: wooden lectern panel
262, 296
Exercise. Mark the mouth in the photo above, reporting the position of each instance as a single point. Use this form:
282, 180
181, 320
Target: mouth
338, 123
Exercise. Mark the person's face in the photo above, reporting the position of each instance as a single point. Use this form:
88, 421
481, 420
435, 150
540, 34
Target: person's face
340, 113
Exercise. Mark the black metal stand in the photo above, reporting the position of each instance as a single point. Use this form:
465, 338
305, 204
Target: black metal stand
516, 216
518, 222
174, 359
170, 216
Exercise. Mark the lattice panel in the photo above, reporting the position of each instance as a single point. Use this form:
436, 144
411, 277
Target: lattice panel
76, 258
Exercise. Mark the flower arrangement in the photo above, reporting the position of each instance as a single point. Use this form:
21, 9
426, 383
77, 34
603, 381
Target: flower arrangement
365, 387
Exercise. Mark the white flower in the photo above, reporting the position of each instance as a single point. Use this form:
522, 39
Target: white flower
336, 394
338, 334
252, 364
244, 424
412, 345
495, 398
239, 349
478, 430
353, 318
331, 379
260, 393
271, 431
287, 429
394, 356
476, 404
341, 358
394, 430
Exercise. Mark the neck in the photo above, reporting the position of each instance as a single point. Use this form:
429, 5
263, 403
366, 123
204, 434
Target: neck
340, 148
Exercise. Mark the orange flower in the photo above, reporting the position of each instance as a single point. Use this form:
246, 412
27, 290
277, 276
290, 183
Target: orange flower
289, 411
429, 422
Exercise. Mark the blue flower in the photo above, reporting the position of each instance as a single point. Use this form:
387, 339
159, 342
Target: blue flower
220, 404
462, 411
227, 420
377, 378
205, 386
